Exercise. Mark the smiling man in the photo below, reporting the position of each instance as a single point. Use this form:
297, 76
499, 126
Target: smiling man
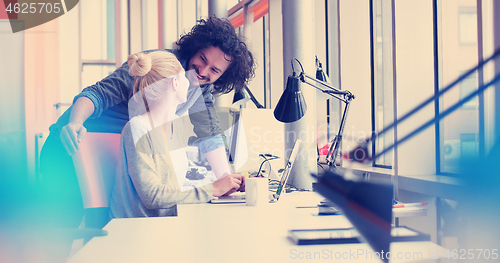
220, 62
209, 63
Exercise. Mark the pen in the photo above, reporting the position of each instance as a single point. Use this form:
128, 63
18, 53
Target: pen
307, 206
409, 205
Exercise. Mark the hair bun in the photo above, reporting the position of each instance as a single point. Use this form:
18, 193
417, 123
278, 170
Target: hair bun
139, 64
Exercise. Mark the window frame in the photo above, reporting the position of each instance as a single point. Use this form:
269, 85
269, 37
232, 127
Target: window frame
118, 50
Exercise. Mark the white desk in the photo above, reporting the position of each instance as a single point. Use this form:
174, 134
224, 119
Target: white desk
231, 233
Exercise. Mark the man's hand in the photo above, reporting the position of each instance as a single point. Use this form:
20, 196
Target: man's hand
73, 133
228, 184
71, 136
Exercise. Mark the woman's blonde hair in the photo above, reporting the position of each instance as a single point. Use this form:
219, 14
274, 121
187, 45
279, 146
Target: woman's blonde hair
149, 69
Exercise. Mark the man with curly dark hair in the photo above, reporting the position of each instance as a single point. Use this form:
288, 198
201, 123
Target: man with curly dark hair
220, 61
212, 34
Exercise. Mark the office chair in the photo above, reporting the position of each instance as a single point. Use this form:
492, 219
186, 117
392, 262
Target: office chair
95, 164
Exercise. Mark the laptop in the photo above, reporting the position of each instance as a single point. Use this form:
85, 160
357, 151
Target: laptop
273, 197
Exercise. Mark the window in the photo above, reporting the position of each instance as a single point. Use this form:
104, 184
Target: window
251, 19
459, 131
383, 79
355, 70
467, 86
467, 24
257, 37
101, 39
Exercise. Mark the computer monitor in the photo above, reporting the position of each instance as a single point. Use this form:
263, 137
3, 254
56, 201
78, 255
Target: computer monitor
255, 132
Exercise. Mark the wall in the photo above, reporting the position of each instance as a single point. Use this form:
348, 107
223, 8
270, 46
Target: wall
69, 45
41, 82
13, 154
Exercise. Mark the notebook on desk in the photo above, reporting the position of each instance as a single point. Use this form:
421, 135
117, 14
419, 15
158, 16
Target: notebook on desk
273, 197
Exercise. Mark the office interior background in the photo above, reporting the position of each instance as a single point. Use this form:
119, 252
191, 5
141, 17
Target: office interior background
391, 54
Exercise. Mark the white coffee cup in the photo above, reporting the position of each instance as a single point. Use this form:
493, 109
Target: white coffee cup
257, 191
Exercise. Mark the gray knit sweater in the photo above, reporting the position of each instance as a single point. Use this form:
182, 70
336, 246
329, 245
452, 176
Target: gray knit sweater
146, 184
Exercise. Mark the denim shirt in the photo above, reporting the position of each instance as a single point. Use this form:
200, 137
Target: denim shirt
110, 97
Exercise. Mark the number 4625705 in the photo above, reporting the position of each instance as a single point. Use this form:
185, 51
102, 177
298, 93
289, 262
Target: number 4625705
32, 8
471, 254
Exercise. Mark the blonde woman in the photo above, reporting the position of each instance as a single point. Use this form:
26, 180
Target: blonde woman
147, 183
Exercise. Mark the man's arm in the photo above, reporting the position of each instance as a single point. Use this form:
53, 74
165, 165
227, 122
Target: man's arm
92, 101
108, 92
72, 134
203, 116
218, 161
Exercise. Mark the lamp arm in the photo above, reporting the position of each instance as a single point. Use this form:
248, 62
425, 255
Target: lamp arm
334, 148
253, 99
326, 91
333, 90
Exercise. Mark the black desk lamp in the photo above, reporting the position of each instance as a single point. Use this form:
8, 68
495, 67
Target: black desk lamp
292, 106
242, 96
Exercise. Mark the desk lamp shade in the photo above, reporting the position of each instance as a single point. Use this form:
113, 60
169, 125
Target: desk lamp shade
292, 105
320, 74
240, 98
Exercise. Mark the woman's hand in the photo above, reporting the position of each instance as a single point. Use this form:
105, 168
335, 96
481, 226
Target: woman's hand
228, 184
242, 185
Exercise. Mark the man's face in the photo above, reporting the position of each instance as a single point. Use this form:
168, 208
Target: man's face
208, 64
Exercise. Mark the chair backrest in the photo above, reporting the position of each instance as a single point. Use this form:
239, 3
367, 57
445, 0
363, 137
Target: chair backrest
95, 164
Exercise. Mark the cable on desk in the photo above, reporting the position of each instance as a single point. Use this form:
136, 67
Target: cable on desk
272, 157
292, 188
